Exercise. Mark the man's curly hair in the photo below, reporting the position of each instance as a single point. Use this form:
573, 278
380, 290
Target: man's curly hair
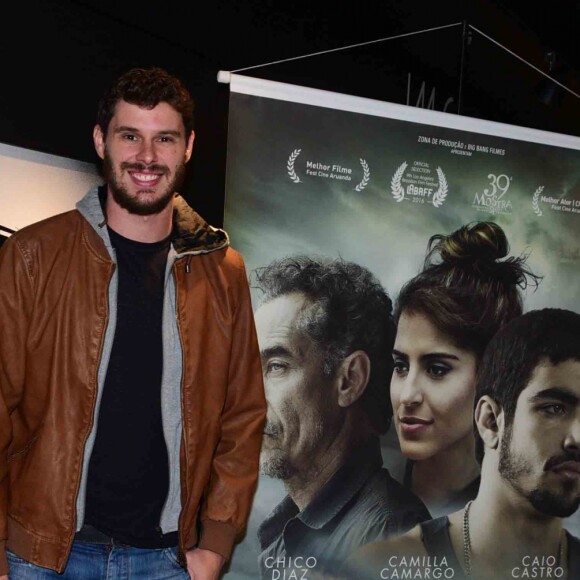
146, 87
351, 311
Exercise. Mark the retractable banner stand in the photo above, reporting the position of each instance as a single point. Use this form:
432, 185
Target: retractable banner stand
315, 173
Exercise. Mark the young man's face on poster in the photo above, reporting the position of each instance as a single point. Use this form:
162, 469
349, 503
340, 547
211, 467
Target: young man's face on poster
540, 448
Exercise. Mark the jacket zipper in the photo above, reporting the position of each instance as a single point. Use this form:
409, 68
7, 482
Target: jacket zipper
181, 551
93, 404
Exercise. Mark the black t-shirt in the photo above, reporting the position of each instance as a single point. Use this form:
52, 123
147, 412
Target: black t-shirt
128, 478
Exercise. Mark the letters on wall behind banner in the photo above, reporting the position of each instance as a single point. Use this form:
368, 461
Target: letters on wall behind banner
305, 178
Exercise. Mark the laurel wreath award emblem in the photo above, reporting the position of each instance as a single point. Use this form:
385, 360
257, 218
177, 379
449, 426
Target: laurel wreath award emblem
441, 193
290, 165
536, 201
366, 175
396, 188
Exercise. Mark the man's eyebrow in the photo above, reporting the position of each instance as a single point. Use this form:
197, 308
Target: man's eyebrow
122, 128
128, 128
400, 354
173, 132
277, 350
558, 393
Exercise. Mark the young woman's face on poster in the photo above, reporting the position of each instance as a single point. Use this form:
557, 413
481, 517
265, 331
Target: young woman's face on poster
432, 389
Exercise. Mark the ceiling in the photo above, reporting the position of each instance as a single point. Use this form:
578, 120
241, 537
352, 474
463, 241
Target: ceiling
307, 42
235, 34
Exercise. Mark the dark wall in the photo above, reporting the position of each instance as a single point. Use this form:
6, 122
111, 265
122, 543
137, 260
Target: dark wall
57, 59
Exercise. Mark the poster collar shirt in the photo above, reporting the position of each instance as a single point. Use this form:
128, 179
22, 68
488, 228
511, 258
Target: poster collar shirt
360, 503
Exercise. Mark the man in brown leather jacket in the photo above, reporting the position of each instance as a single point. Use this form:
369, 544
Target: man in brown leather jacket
131, 395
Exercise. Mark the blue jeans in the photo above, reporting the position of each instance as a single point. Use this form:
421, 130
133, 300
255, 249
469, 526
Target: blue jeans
105, 562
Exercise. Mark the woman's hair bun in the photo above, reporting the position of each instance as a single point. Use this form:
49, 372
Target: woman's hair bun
476, 241
476, 252
469, 287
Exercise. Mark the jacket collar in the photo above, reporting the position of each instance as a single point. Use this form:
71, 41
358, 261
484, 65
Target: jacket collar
191, 233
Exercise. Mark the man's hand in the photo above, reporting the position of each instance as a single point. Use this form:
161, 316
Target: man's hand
201, 564
4, 577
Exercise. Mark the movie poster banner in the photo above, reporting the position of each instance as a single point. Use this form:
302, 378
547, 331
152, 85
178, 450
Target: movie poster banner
323, 175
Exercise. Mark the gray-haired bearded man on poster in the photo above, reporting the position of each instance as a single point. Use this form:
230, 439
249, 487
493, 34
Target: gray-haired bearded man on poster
528, 420
325, 333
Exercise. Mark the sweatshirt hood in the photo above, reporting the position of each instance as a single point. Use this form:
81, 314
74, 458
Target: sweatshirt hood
190, 234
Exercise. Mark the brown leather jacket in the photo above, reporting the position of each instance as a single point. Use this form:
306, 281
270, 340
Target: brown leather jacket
54, 282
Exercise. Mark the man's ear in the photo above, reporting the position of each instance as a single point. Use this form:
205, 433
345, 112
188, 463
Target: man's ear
489, 418
353, 377
189, 146
99, 141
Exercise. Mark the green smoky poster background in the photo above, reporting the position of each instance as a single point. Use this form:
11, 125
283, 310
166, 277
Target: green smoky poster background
329, 175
